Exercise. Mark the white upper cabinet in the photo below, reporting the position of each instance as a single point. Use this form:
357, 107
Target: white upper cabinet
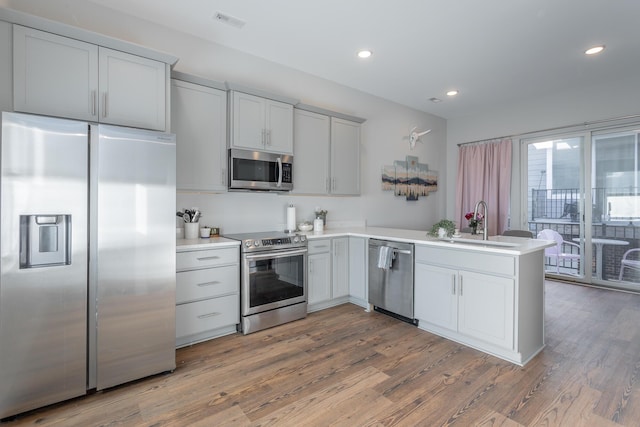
261, 124
311, 163
64, 77
132, 90
199, 120
327, 154
54, 75
345, 157
6, 68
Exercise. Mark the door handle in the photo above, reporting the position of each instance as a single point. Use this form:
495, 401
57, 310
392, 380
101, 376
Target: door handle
208, 283
206, 258
453, 285
204, 316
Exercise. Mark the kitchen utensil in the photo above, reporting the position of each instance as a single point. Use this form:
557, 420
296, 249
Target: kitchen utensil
186, 217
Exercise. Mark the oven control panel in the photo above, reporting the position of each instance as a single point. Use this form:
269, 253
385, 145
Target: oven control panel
274, 243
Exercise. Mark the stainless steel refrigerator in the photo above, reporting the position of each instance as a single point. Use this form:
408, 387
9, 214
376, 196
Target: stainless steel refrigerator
87, 269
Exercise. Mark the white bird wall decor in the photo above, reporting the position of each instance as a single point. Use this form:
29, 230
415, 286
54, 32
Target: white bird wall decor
414, 136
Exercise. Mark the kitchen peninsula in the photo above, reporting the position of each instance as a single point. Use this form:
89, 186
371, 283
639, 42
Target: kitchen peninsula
488, 295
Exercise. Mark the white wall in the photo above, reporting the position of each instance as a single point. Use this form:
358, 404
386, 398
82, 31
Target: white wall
610, 99
381, 135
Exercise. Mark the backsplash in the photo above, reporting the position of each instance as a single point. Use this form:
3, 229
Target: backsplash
239, 212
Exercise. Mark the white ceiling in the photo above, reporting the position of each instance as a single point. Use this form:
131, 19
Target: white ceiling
495, 52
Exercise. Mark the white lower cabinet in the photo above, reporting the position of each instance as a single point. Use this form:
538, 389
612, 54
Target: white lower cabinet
475, 304
319, 271
328, 273
435, 296
207, 294
340, 267
481, 300
358, 271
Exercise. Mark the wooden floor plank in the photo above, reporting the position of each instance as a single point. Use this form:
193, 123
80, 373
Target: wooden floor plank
344, 366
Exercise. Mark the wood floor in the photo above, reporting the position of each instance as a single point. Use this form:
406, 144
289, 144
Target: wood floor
343, 366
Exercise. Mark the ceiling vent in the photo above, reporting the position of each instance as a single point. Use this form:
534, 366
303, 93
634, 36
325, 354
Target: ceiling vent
229, 20
435, 99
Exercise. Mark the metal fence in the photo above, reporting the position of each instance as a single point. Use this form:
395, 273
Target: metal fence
608, 204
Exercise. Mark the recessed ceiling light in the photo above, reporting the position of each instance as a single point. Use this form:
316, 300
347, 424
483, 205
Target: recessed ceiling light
364, 53
594, 50
452, 93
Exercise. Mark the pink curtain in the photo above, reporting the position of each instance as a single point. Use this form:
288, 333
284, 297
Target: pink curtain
484, 173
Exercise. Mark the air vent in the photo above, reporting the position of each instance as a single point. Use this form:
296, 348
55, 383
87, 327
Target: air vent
435, 99
229, 20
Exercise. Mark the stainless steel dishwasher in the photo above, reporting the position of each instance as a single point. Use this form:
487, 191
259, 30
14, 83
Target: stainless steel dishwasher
391, 278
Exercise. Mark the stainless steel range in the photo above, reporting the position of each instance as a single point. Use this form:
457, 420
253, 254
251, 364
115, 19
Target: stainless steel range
273, 285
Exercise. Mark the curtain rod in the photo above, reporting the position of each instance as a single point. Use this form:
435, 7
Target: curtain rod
595, 122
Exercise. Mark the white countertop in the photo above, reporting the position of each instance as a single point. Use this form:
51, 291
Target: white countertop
206, 243
520, 246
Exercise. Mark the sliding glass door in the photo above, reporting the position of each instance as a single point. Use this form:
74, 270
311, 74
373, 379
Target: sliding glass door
583, 191
616, 205
555, 200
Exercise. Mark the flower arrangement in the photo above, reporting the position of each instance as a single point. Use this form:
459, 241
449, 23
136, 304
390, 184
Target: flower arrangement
474, 222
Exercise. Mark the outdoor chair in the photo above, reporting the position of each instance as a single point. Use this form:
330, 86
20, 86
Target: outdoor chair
557, 251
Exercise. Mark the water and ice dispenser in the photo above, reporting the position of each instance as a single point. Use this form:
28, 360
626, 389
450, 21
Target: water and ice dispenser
45, 240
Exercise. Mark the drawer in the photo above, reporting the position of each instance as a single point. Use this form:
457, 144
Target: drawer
196, 285
206, 258
201, 316
319, 246
467, 260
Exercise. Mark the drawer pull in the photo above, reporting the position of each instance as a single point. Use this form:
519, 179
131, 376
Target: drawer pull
206, 258
205, 316
215, 282
320, 246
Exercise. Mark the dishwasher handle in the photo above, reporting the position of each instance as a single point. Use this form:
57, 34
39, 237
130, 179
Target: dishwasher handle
402, 251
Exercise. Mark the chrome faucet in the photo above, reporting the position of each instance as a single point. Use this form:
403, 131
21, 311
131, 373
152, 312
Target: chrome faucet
485, 232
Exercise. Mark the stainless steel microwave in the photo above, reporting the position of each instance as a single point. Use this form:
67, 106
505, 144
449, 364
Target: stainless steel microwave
256, 170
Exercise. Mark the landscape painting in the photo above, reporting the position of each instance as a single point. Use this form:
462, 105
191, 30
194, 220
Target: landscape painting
409, 178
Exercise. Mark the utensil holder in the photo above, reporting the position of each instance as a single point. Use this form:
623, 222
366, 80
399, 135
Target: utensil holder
191, 230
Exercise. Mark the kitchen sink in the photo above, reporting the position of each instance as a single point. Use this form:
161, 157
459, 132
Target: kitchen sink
480, 242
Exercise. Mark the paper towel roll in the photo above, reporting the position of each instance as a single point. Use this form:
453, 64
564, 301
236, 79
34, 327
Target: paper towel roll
291, 219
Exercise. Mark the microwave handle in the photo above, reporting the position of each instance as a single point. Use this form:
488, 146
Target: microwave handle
279, 184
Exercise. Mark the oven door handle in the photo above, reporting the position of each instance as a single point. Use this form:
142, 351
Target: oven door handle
276, 254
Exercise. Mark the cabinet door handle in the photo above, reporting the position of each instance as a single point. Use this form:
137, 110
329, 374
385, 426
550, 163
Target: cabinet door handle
268, 133
310, 266
206, 258
264, 138
204, 316
453, 285
104, 104
333, 186
460, 285
215, 282
93, 103
328, 184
